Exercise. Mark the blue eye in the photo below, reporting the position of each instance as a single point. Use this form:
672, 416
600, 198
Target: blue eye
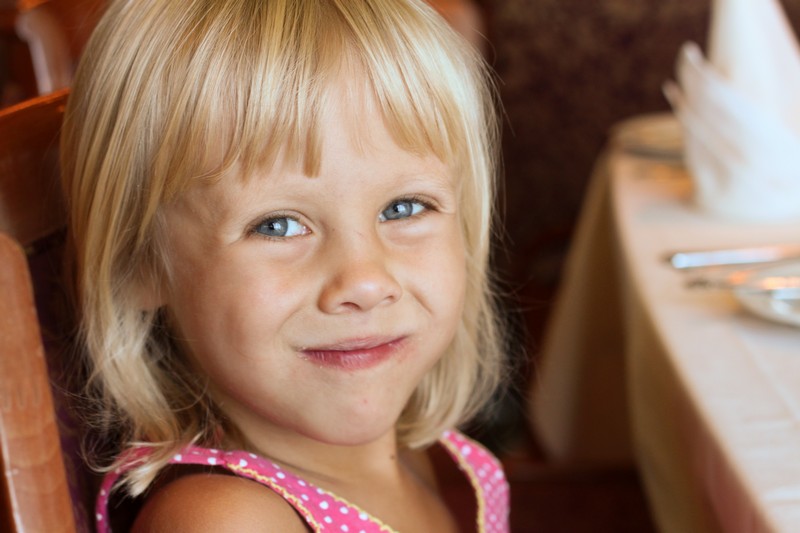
402, 209
279, 227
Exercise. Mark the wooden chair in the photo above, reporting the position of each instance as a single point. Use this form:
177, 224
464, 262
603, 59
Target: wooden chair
37, 495
467, 17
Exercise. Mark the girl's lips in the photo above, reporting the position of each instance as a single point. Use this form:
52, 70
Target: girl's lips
356, 354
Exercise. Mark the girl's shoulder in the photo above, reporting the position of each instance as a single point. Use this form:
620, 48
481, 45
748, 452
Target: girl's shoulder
201, 489
202, 502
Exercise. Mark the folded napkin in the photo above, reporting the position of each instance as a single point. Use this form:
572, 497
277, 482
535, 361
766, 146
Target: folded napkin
740, 112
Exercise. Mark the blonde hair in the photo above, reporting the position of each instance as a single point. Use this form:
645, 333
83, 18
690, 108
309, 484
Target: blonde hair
170, 92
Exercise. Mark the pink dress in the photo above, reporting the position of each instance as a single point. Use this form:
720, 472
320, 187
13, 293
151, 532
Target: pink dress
326, 512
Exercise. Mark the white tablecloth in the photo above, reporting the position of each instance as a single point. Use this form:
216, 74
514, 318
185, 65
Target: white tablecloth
637, 367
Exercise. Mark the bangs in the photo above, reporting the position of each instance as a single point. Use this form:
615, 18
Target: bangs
263, 89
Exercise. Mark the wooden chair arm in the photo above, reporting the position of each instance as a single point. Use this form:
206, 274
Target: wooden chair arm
34, 483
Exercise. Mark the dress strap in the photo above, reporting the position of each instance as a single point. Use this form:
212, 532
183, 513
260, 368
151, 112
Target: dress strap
321, 510
485, 473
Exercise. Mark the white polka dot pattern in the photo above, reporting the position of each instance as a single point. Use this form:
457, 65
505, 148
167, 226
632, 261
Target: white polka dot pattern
325, 512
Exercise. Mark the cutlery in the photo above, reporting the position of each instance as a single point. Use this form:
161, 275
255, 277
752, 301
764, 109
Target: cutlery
687, 260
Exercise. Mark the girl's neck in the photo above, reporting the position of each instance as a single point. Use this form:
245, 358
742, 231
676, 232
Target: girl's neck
330, 466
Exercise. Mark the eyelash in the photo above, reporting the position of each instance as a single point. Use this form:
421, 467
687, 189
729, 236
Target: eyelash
253, 229
426, 204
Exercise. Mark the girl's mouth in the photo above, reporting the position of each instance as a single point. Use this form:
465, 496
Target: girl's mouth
356, 354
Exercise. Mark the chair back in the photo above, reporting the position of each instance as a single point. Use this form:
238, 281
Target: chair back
40, 490
30, 196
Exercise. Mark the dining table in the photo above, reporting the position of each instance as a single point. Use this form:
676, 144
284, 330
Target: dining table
663, 368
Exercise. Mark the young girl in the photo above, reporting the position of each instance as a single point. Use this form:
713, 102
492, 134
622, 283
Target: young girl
279, 214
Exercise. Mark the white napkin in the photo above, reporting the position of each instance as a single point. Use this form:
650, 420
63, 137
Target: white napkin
740, 112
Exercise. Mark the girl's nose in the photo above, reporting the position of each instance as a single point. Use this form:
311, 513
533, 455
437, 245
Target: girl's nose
358, 278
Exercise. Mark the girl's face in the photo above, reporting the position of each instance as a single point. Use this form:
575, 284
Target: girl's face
315, 305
